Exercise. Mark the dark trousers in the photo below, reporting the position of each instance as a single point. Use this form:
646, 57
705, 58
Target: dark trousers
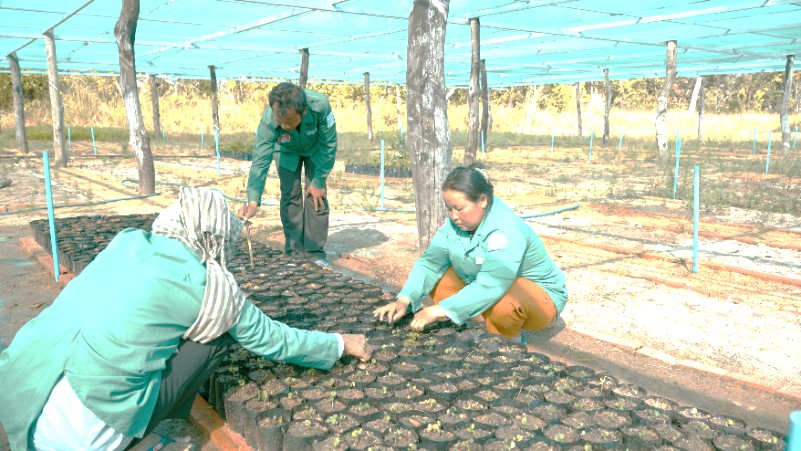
185, 373
305, 230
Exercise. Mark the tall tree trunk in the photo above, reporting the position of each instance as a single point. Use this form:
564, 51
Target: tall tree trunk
367, 106
19, 102
662, 102
154, 101
486, 115
701, 100
428, 138
784, 118
215, 104
608, 105
473, 94
125, 34
56, 106
304, 68
578, 108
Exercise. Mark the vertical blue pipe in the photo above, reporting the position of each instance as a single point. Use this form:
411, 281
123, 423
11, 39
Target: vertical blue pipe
553, 137
676, 170
753, 148
381, 192
201, 136
94, 145
767, 159
482, 142
589, 155
163, 134
217, 148
795, 137
69, 137
51, 217
620, 143
794, 434
696, 182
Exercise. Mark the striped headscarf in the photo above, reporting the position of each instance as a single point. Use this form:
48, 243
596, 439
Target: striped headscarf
201, 220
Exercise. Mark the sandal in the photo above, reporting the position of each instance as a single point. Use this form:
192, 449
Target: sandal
161, 444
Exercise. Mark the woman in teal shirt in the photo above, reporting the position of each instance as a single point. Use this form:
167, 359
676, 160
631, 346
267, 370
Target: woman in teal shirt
484, 263
130, 340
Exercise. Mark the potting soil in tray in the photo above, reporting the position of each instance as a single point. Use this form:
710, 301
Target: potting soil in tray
421, 389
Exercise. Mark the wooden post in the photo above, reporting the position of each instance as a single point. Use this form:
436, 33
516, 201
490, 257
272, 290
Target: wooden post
367, 106
701, 100
662, 102
608, 105
783, 116
486, 115
304, 68
18, 101
215, 107
428, 139
398, 106
473, 94
125, 34
578, 108
154, 101
56, 106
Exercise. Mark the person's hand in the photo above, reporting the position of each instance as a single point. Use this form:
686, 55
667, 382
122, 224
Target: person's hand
393, 311
427, 316
248, 211
356, 346
318, 196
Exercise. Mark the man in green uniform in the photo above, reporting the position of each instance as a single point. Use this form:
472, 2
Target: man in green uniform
297, 127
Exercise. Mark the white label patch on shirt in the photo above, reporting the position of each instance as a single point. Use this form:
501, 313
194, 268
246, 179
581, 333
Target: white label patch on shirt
496, 241
329, 120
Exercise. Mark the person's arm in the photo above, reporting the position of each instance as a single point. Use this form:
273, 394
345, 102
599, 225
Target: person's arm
263, 149
327, 151
497, 273
274, 340
428, 269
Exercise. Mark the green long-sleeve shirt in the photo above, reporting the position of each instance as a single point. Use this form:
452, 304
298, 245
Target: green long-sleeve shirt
503, 247
316, 137
112, 329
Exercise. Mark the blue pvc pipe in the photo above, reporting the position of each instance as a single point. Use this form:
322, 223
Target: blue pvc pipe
217, 148
795, 137
767, 159
676, 170
589, 155
69, 137
553, 138
51, 217
94, 145
794, 433
482, 142
696, 189
620, 143
163, 134
381, 193
753, 148
201, 136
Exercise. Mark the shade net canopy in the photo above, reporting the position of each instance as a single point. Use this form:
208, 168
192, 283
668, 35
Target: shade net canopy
522, 42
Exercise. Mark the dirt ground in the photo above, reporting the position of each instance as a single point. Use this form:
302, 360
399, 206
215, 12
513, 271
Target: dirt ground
628, 262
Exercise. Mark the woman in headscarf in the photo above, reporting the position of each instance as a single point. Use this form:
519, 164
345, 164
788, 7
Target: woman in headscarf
130, 341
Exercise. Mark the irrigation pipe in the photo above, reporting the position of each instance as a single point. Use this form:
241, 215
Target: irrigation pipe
548, 213
235, 199
650, 256
84, 204
51, 217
